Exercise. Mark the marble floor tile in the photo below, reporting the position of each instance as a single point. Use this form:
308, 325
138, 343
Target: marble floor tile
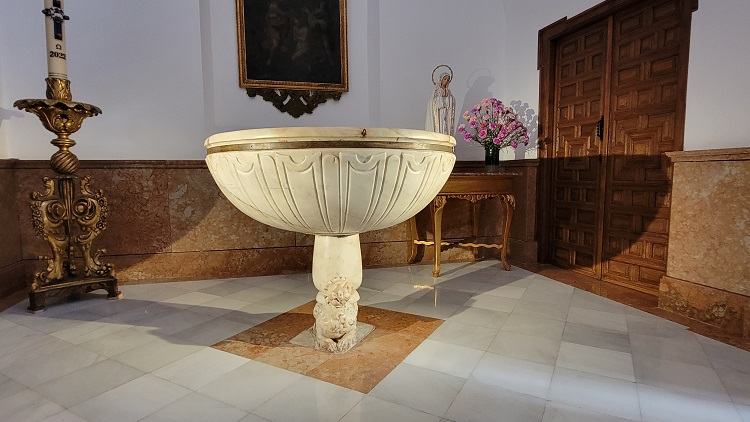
737, 385
594, 360
595, 393
309, 399
250, 385
27, 405
149, 392
590, 336
156, 354
467, 335
693, 380
421, 389
33, 372
519, 375
480, 317
478, 402
445, 357
524, 346
373, 409
200, 368
547, 310
196, 407
662, 405
606, 321
556, 353
108, 374
535, 326
558, 412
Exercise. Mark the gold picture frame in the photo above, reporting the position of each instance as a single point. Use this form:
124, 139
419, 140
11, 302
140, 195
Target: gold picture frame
293, 52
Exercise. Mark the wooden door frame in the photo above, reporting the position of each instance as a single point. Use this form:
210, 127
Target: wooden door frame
546, 62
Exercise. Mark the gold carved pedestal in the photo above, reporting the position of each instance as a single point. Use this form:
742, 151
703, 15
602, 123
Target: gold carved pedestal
69, 215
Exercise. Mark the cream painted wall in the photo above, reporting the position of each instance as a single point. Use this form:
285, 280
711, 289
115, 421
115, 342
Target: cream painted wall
165, 72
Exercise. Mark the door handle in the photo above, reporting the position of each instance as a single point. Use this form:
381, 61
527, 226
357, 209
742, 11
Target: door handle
600, 128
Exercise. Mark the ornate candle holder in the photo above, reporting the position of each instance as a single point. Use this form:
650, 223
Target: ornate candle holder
68, 215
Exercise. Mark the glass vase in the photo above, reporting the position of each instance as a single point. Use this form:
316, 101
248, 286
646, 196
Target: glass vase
491, 155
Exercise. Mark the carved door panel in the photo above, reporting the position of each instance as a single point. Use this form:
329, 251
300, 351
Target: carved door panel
580, 83
610, 191
645, 100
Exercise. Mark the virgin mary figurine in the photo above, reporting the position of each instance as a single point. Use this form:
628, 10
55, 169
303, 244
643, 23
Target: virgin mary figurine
441, 110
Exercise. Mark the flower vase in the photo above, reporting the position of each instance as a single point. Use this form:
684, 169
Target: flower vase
491, 156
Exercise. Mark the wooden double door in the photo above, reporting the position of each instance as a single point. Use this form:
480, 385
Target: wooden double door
614, 102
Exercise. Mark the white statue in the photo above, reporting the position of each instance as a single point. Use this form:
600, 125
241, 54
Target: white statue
441, 110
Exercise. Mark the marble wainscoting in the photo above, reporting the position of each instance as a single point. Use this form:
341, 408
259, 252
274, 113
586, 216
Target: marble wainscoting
708, 266
169, 221
12, 269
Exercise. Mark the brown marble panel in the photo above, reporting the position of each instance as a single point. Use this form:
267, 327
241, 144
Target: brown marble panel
201, 218
10, 235
710, 224
703, 303
395, 335
14, 277
211, 264
138, 220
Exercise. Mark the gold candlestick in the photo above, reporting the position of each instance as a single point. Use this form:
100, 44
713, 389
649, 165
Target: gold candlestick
67, 218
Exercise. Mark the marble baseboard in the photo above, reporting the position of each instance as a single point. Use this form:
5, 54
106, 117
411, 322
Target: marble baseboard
720, 308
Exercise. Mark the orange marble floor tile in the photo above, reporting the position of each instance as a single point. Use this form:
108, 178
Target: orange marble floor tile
396, 334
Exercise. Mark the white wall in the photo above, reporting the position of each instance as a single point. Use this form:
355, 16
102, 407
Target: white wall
165, 72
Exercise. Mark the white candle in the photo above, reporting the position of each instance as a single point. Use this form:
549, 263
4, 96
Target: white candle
57, 64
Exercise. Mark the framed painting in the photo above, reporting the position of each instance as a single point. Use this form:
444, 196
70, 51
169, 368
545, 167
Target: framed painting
292, 45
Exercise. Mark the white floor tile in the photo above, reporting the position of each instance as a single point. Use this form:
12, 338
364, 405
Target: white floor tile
132, 401
108, 375
590, 336
421, 389
440, 311
445, 357
9, 387
253, 294
65, 416
466, 335
595, 393
373, 409
188, 300
119, 342
200, 368
27, 405
492, 303
480, 317
544, 295
521, 376
479, 402
693, 380
40, 370
196, 407
175, 322
223, 289
680, 346
219, 307
308, 400
558, 412
660, 405
211, 332
544, 310
524, 346
535, 326
737, 385
585, 300
606, 321
609, 363
723, 356
250, 385
744, 412
158, 353
88, 331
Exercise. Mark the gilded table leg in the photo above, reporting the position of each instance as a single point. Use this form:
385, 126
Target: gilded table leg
509, 203
412, 251
437, 220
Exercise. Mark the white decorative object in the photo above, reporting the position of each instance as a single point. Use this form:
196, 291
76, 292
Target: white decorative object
333, 183
57, 63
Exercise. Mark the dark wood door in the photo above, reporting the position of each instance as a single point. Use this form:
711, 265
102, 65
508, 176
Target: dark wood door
610, 194
581, 87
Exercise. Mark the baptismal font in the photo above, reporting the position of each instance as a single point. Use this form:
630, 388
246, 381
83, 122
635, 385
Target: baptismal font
68, 214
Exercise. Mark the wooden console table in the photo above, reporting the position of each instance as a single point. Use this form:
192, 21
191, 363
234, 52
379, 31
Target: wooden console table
472, 185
